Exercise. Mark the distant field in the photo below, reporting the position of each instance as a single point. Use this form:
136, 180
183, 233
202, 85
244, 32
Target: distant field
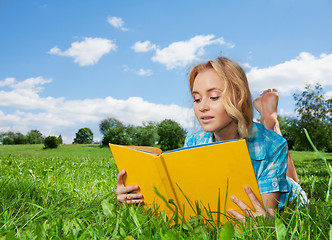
59, 193
64, 150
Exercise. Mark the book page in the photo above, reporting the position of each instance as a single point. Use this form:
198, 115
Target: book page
203, 171
147, 149
146, 171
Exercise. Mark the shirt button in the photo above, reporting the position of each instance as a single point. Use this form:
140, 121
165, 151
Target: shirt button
274, 184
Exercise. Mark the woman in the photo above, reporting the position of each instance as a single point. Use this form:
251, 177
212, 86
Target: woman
223, 107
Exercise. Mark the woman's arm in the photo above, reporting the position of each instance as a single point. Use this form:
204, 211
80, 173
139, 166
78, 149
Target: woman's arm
270, 201
124, 193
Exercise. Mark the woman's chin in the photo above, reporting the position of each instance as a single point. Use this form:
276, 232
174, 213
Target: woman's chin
208, 129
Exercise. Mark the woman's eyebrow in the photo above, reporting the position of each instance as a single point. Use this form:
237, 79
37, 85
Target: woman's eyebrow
213, 89
209, 90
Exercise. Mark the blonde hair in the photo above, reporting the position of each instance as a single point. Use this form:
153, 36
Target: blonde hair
236, 96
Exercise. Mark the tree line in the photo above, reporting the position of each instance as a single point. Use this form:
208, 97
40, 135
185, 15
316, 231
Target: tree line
314, 113
32, 137
167, 134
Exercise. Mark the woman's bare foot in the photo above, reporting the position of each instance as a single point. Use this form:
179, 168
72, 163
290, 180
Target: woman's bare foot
267, 105
259, 108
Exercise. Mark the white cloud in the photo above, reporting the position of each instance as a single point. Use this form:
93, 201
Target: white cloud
182, 53
144, 72
87, 52
328, 95
24, 95
52, 115
7, 82
245, 65
288, 113
117, 23
125, 68
293, 74
143, 46
140, 72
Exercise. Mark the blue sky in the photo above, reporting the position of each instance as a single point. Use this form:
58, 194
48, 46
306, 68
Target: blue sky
70, 64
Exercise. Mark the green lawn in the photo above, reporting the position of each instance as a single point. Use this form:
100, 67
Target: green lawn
312, 172
69, 151
68, 193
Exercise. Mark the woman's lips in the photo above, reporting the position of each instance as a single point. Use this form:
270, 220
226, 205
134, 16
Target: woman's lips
206, 119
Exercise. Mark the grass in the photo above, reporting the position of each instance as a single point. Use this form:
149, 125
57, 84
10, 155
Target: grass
312, 172
64, 151
68, 193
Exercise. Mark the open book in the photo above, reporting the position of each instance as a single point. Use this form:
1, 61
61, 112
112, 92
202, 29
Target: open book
186, 175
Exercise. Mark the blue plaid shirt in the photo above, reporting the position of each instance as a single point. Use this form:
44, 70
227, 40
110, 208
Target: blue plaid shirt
269, 157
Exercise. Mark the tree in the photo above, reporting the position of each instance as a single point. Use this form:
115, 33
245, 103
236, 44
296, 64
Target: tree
19, 138
84, 136
2, 136
314, 115
143, 136
60, 139
13, 138
116, 135
51, 142
34, 137
8, 140
290, 131
109, 123
114, 132
171, 135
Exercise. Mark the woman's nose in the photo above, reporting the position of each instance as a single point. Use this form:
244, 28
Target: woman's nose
204, 106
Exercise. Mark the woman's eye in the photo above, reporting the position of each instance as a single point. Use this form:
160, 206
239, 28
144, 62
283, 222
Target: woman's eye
197, 100
214, 98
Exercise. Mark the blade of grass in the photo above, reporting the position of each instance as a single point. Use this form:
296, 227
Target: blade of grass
187, 199
218, 210
227, 232
280, 229
133, 215
168, 203
226, 195
328, 166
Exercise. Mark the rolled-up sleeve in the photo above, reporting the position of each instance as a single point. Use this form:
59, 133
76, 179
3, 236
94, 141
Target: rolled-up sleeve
273, 174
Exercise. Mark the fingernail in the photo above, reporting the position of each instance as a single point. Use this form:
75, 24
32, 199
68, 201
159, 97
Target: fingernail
233, 198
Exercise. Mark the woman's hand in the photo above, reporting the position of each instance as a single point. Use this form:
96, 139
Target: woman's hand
271, 200
124, 193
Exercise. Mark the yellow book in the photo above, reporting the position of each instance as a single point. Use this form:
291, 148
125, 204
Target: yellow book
188, 175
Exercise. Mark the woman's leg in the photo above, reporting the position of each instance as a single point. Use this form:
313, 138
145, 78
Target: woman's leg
267, 105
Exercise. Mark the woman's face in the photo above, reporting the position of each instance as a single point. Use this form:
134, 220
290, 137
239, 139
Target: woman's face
208, 106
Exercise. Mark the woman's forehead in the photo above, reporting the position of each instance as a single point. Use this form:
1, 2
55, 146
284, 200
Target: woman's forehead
207, 80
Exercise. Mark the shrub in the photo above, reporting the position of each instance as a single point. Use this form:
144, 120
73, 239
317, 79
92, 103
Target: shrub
51, 142
8, 141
